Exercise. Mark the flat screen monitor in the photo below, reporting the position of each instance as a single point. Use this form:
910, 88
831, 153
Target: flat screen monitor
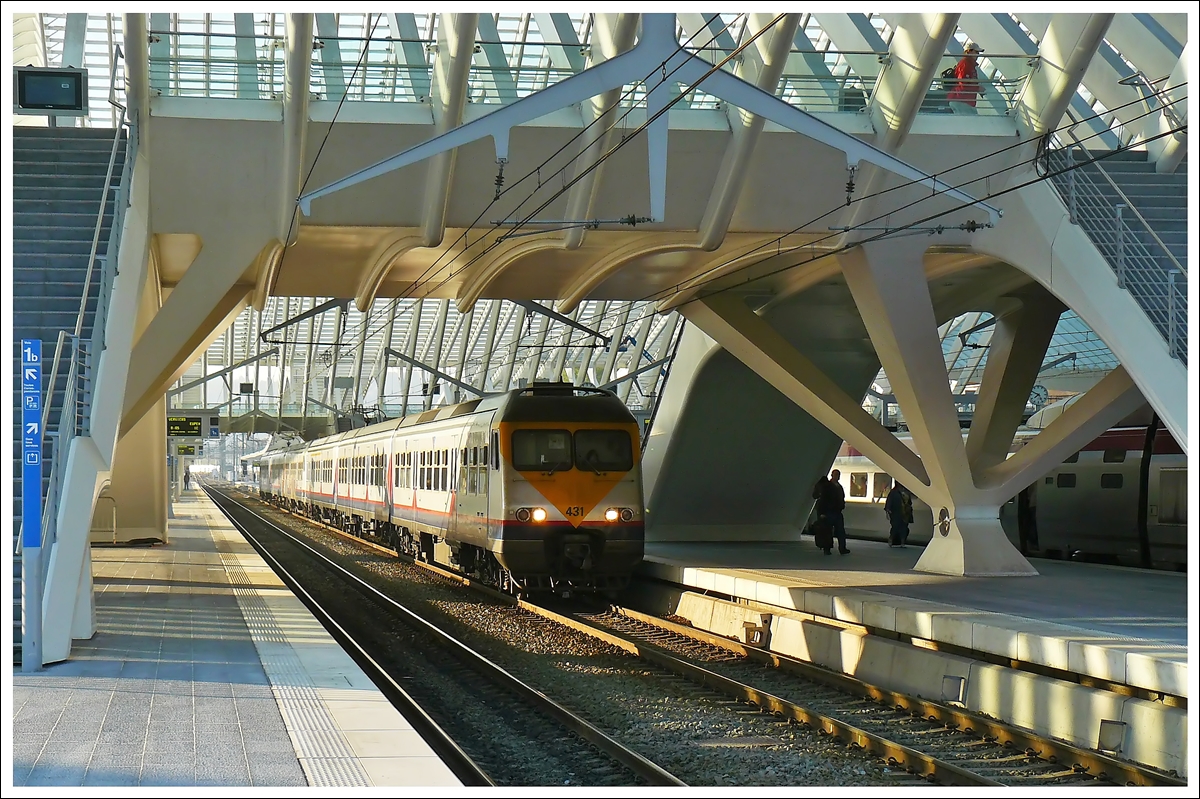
45, 90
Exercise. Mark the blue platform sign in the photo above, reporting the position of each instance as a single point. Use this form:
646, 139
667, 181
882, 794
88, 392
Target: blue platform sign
31, 442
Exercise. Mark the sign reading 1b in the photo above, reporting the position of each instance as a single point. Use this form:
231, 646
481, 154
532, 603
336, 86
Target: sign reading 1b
183, 426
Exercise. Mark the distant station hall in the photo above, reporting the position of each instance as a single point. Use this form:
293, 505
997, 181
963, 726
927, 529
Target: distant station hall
398, 396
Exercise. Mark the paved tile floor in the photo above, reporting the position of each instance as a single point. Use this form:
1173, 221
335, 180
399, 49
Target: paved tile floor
170, 691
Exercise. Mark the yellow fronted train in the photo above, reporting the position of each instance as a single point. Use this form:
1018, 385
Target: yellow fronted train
538, 489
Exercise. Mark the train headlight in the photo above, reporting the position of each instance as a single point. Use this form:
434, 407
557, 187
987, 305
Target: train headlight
611, 515
539, 514
522, 514
626, 515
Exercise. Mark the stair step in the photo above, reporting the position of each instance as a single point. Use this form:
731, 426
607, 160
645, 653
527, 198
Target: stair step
22, 219
53, 234
52, 180
76, 168
82, 247
92, 155
63, 193
62, 132
48, 205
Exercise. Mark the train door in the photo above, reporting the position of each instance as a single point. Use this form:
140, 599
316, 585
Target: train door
471, 487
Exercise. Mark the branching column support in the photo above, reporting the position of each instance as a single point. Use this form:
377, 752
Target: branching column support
451, 67
1070, 43
612, 36
298, 66
761, 65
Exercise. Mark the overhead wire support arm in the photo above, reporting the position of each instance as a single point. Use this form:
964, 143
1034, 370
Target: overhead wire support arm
648, 367
537, 307
440, 375
227, 370
314, 311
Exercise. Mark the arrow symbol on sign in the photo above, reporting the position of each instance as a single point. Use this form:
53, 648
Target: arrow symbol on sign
31, 428
31, 373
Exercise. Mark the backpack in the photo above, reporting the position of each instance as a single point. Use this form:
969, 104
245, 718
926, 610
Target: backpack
906, 506
948, 80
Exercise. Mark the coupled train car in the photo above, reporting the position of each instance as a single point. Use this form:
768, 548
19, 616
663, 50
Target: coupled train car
538, 489
1086, 509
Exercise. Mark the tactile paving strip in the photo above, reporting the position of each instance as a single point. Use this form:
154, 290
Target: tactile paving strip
325, 755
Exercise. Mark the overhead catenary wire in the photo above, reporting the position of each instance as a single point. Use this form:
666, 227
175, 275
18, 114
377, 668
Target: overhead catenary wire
839, 207
866, 222
880, 192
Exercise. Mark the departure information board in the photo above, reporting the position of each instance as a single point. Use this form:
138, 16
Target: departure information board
183, 426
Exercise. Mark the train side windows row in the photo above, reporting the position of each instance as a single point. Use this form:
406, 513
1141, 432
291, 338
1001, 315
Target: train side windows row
1070, 480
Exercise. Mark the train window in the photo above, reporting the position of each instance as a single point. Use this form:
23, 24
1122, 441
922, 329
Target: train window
1111, 480
1172, 496
1114, 456
474, 456
541, 450
603, 451
1073, 459
858, 484
495, 461
882, 485
1066, 480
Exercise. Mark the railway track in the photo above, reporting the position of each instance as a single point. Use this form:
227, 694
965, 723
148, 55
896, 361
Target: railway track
942, 743
489, 727
916, 738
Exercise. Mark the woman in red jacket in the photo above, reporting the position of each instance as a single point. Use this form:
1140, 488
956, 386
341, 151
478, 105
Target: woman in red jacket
966, 86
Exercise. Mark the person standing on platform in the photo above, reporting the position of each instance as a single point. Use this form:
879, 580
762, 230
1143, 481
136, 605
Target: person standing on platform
187, 478
966, 87
833, 503
819, 524
898, 507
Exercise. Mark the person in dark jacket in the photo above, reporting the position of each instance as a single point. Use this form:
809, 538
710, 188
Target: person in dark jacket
833, 502
819, 524
898, 507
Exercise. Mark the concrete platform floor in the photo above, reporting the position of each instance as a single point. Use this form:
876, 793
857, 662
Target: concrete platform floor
205, 670
1118, 624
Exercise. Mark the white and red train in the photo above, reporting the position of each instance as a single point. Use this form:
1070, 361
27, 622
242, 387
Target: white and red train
536, 489
1085, 509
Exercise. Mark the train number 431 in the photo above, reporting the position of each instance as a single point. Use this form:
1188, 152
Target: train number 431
574, 510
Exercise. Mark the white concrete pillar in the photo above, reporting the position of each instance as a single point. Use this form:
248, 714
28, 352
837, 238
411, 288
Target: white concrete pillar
1064, 54
887, 279
139, 482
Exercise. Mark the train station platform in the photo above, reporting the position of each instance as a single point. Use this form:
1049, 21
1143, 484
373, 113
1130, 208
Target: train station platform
1060, 653
206, 670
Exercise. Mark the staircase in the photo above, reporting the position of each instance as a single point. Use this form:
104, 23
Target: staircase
58, 179
1105, 196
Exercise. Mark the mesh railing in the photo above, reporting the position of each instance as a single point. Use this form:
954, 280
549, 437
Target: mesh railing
220, 65
1143, 265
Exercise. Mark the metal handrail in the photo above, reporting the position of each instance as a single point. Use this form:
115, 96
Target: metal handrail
1152, 281
70, 400
1129, 204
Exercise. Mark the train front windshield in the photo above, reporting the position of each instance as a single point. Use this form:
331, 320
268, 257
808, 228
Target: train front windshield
542, 450
560, 450
603, 450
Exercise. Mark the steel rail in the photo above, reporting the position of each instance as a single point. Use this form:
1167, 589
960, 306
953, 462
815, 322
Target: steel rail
639, 765
910, 759
457, 760
1093, 763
